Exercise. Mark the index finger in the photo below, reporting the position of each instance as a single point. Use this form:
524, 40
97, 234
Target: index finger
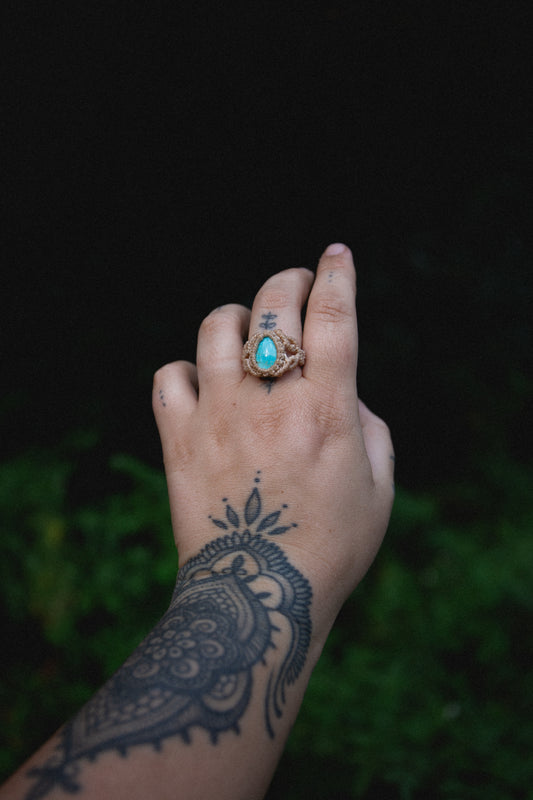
330, 328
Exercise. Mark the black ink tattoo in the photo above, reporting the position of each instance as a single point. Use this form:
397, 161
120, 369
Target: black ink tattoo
268, 323
162, 398
268, 383
235, 602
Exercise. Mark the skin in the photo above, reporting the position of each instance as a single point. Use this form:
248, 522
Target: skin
318, 456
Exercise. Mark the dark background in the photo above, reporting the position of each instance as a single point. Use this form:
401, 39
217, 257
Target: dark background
161, 159
165, 158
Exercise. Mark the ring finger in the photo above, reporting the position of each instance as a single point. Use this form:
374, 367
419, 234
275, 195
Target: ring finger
278, 304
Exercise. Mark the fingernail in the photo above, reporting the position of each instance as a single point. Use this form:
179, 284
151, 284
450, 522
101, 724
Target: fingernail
335, 249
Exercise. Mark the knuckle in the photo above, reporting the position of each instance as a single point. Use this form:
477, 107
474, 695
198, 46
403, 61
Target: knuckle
329, 308
222, 317
337, 357
271, 422
278, 291
274, 297
266, 424
212, 323
332, 416
220, 426
179, 454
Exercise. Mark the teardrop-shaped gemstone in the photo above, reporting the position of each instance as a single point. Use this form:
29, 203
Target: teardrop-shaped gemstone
266, 353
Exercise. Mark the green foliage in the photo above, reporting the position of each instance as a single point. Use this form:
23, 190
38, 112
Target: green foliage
81, 585
424, 688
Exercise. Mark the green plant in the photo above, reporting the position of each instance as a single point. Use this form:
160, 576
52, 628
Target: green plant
425, 686
80, 584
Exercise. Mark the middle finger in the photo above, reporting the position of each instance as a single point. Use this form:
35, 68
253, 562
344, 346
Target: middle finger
279, 302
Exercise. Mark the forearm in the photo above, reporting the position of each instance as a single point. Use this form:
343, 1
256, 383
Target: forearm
204, 705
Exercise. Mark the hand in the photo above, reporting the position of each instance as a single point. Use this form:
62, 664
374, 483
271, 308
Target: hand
280, 493
314, 446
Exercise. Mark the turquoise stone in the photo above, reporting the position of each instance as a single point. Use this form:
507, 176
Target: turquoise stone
266, 353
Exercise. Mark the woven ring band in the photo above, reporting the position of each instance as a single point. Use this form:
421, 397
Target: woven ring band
271, 354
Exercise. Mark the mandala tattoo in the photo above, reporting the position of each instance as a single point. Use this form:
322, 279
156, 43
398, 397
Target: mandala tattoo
238, 599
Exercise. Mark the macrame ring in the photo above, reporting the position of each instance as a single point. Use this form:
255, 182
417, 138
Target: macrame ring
269, 354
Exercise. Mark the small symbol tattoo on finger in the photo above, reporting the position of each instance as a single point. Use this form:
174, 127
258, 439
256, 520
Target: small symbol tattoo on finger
162, 398
268, 323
